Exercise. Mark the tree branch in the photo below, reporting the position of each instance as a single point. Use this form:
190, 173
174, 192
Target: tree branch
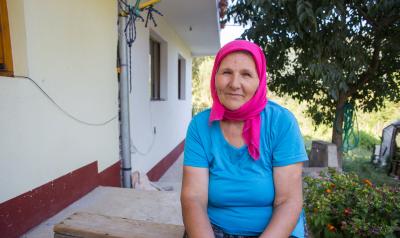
367, 18
373, 66
390, 20
378, 25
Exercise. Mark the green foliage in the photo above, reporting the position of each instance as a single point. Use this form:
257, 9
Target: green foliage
367, 140
373, 123
343, 205
327, 52
359, 161
306, 124
370, 124
201, 74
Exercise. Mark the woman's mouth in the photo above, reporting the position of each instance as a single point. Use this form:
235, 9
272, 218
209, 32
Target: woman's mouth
234, 95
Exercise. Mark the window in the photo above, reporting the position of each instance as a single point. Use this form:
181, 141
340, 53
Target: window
6, 64
181, 77
158, 73
155, 68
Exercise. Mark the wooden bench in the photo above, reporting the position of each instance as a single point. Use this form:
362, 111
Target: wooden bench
91, 225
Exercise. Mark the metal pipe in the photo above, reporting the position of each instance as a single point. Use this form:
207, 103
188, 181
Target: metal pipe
124, 104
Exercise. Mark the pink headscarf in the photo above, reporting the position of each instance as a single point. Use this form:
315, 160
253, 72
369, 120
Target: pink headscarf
250, 111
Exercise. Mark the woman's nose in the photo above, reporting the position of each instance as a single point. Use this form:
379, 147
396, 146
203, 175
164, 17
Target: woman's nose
235, 81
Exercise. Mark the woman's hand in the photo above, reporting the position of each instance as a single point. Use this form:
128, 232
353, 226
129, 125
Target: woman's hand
194, 198
288, 201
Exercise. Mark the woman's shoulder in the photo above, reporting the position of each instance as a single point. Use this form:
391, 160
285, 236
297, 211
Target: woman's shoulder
200, 120
203, 115
199, 125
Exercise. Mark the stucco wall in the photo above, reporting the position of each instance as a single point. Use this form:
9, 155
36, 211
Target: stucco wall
170, 117
69, 48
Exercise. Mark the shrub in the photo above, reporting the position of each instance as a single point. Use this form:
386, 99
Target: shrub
368, 141
343, 205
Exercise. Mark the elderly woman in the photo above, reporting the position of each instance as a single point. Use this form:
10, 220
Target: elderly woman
243, 158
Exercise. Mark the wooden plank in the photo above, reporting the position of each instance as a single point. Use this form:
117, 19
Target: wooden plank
56, 235
90, 225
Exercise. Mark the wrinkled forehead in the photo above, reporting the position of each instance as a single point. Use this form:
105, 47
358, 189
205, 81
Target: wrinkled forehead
238, 52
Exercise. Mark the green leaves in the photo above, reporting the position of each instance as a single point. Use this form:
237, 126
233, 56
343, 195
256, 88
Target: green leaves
343, 205
327, 51
306, 15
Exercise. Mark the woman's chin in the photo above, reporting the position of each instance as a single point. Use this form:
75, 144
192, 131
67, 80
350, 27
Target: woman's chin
232, 102
233, 106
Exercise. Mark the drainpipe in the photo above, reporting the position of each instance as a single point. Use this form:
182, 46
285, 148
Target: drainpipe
124, 102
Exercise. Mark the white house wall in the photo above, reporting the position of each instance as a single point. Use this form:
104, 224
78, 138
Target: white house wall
69, 48
169, 117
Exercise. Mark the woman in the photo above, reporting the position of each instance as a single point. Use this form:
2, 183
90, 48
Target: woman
243, 158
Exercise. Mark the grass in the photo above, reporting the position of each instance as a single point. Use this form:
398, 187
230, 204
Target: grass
359, 162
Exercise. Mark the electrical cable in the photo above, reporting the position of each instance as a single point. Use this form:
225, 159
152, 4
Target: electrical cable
133, 14
64, 111
123, 2
150, 11
135, 149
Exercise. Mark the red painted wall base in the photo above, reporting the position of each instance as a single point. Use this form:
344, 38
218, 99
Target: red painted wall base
26, 211
159, 169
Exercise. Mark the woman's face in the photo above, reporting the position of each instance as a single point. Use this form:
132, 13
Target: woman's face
236, 80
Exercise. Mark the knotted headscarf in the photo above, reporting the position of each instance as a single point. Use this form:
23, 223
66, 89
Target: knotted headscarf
250, 111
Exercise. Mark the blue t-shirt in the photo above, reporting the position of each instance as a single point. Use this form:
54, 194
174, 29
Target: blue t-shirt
241, 190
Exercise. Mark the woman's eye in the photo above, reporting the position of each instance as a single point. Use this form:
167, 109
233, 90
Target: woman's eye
226, 72
247, 75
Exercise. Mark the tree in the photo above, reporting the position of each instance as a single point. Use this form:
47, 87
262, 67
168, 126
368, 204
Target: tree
327, 53
201, 73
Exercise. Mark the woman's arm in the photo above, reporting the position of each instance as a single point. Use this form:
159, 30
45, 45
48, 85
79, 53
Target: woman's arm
288, 201
194, 198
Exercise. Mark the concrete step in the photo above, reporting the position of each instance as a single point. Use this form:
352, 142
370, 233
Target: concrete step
153, 206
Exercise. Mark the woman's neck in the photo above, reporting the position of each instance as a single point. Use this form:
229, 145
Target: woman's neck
232, 131
231, 124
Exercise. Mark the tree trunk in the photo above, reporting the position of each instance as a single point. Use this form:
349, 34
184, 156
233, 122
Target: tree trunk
337, 130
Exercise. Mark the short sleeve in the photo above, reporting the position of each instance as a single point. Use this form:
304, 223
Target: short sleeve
289, 146
194, 154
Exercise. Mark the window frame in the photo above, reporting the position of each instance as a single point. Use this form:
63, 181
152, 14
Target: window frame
155, 69
181, 77
5, 42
